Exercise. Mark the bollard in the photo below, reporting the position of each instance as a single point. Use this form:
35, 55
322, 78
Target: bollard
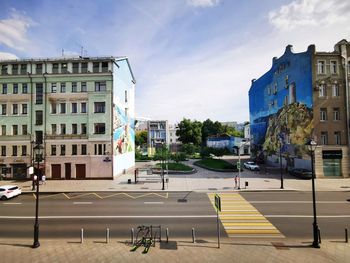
132, 236
82, 236
193, 236
167, 234
107, 235
346, 236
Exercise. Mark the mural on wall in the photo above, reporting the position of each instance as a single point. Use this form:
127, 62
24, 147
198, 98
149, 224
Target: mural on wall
280, 105
123, 132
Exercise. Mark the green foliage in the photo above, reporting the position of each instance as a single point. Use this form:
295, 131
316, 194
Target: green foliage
162, 153
218, 152
189, 148
139, 156
205, 152
210, 128
190, 131
216, 164
233, 132
141, 138
178, 157
175, 166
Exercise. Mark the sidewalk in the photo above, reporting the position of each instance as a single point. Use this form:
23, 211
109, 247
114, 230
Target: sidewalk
175, 251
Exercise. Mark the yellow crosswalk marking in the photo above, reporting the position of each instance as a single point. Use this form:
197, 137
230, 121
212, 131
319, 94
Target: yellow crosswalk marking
241, 219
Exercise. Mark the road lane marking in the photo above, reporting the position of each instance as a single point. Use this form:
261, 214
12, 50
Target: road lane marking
12, 203
153, 203
107, 217
240, 217
82, 203
298, 202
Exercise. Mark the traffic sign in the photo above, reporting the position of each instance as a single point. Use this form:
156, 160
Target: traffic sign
217, 202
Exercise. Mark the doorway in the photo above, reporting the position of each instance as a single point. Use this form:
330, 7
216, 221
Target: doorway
68, 169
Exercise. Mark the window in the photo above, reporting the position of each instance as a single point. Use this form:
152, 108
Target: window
39, 136
324, 138
62, 108
24, 150
75, 67
15, 69
321, 67
335, 90
96, 67
83, 107
4, 70
38, 117
24, 129
100, 128
3, 109
83, 87
100, 107
53, 150
39, 68
105, 66
337, 137
23, 69
15, 109
24, 88
24, 109
4, 88
53, 87
39, 93
322, 90
63, 87
54, 129
74, 107
74, 128
334, 67
14, 150
83, 149
53, 107
100, 149
3, 150
323, 114
100, 86
74, 87
3, 129
15, 88
64, 68
14, 129
84, 67
83, 128
336, 114
63, 129
55, 68
63, 149
74, 149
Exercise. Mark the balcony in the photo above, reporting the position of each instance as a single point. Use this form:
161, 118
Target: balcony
65, 136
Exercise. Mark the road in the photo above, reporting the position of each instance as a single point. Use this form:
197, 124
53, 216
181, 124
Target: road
63, 215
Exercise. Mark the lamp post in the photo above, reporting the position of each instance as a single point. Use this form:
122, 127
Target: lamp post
38, 152
162, 162
311, 145
281, 171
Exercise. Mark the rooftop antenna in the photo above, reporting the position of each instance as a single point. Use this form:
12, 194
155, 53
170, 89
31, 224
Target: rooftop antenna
62, 52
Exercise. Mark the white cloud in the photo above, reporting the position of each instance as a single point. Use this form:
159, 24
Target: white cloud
6, 56
13, 30
203, 3
314, 13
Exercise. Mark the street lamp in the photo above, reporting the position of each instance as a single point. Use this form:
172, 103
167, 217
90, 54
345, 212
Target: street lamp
311, 146
161, 163
281, 171
38, 153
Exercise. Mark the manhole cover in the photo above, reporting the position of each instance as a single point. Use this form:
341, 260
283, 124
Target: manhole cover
182, 200
213, 189
144, 187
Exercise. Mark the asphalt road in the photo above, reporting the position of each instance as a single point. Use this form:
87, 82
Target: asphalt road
63, 215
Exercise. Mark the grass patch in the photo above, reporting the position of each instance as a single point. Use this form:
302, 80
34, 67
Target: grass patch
176, 167
216, 164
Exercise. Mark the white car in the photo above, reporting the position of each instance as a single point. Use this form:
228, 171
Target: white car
9, 191
251, 166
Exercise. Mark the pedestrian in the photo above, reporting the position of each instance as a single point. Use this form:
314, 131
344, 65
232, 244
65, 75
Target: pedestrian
236, 181
43, 178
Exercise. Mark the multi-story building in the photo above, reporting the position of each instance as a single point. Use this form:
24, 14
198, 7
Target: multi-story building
81, 109
158, 134
174, 143
304, 95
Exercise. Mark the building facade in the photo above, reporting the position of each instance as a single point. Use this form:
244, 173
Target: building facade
158, 134
303, 96
174, 143
236, 145
80, 109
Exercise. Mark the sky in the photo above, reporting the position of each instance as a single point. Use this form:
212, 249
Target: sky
191, 58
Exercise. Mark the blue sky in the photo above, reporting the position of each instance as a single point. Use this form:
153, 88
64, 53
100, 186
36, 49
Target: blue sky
191, 58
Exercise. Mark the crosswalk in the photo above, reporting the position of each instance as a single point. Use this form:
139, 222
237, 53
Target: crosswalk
241, 219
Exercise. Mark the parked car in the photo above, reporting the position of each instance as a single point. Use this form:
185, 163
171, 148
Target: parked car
251, 166
9, 191
301, 173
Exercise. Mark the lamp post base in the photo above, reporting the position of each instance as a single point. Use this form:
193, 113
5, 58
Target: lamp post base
316, 243
36, 243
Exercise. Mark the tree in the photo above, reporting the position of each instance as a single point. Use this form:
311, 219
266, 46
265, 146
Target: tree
189, 148
178, 157
190, 132
232, 131
141, 138
210, 128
